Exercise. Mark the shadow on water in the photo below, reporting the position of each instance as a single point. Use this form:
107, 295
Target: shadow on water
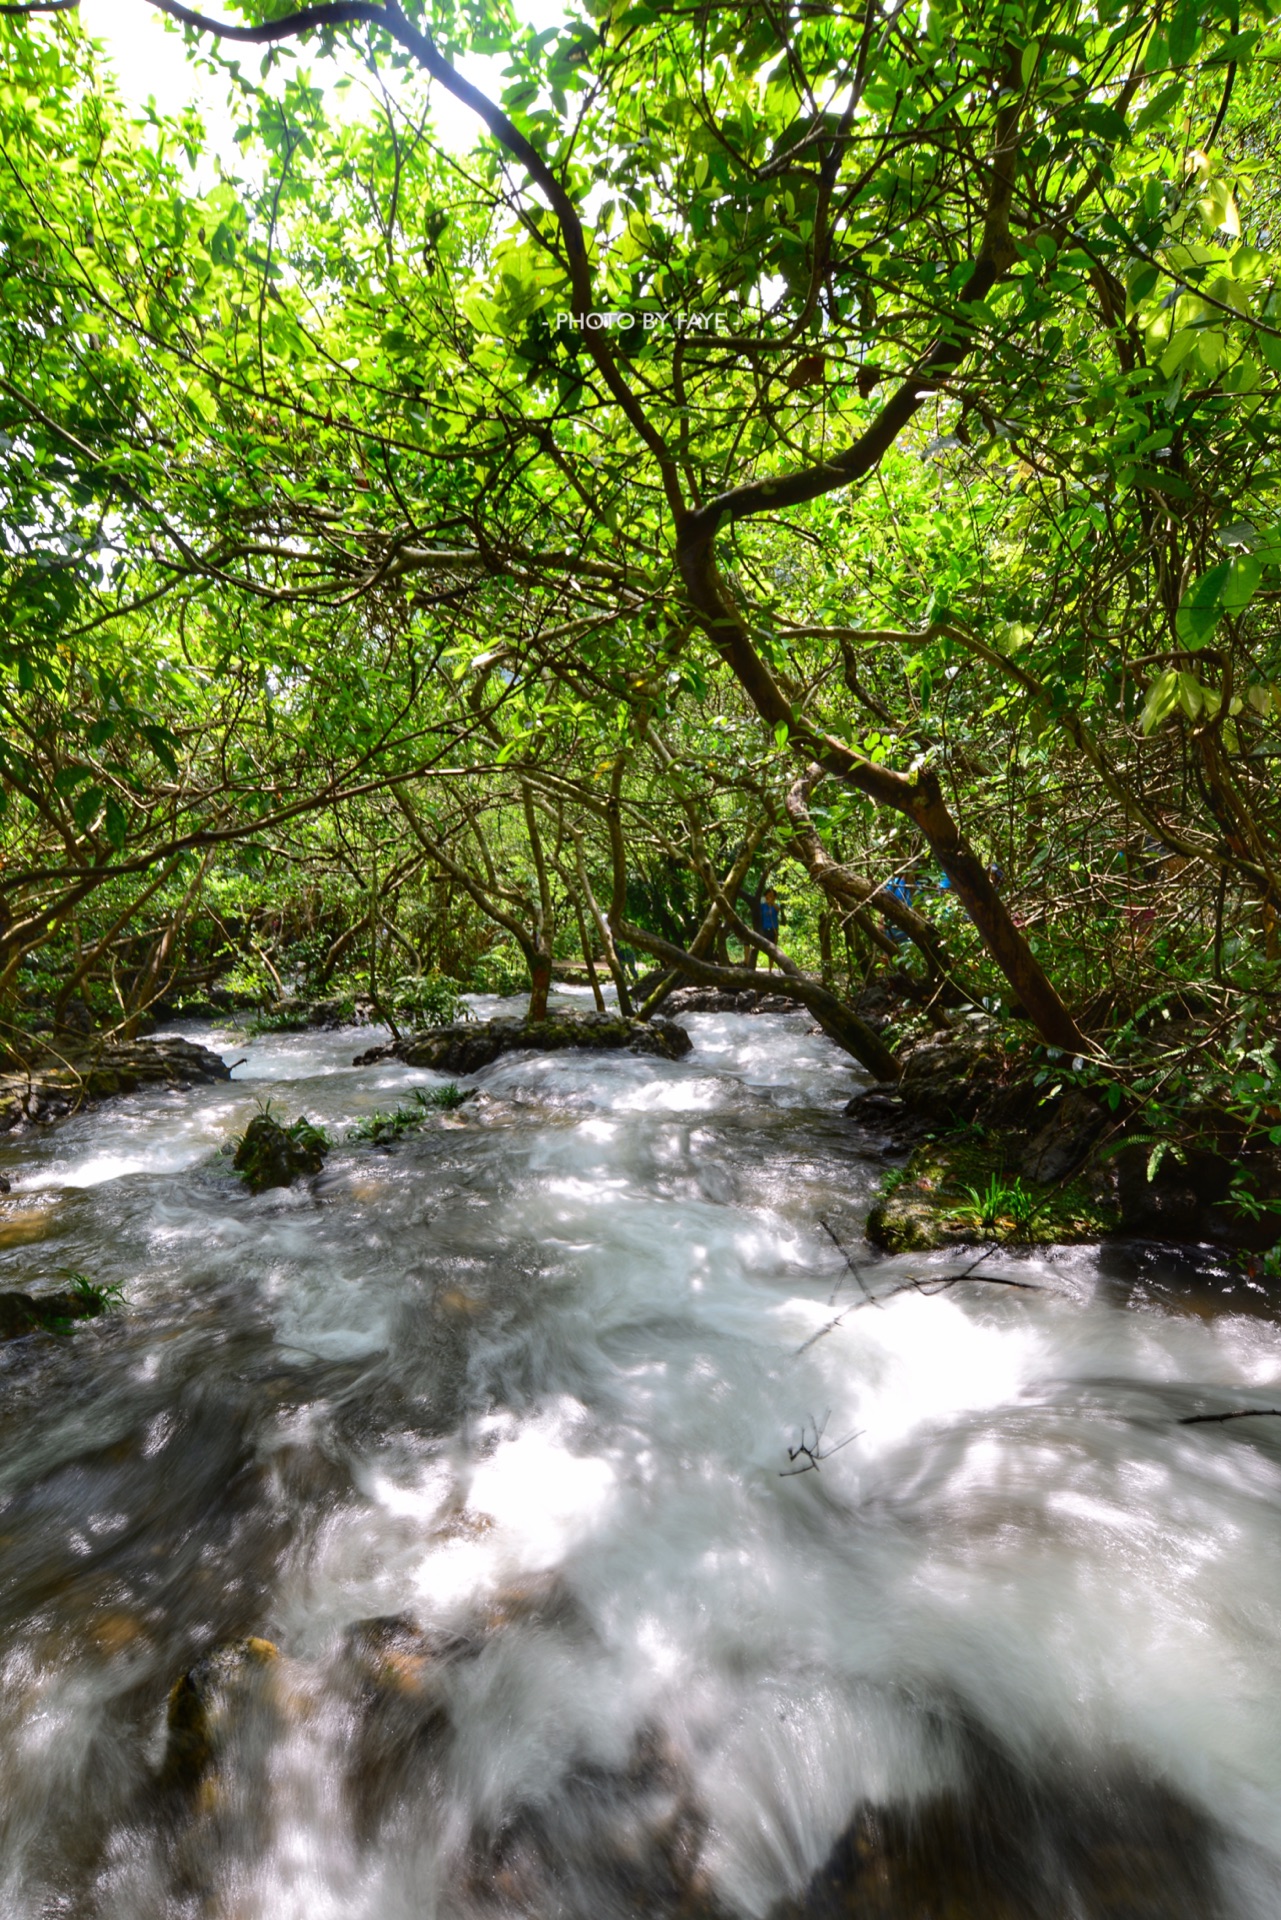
1182, 1279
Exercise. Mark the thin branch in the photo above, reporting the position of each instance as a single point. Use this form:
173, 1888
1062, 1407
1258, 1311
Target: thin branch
1240, 1413
812, 1451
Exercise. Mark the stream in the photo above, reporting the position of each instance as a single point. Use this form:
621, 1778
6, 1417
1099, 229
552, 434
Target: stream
631, 1552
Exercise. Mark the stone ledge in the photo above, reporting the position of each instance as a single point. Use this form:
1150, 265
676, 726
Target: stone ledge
474, 1044
54, 1089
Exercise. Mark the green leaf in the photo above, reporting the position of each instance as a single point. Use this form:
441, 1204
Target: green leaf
1237, 46
1163, 698
1159, 107
1227, 588
116, 822
1185, 33
1179, 349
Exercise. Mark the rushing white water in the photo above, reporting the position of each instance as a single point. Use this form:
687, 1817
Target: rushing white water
537, 1382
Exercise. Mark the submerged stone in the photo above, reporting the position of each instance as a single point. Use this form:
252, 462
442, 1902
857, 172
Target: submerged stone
1009, 1850
393, 1668
204, 1705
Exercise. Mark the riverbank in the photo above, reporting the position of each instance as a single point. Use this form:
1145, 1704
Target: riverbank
54, 1085
989, 1140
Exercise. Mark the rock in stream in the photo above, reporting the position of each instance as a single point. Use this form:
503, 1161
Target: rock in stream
473, 1044
56, 1087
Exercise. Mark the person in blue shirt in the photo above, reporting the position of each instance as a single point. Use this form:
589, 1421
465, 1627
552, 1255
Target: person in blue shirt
768, 918
995, 874
900, 889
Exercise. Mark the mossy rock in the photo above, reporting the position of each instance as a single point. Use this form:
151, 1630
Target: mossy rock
473, 1044
269, 1154
22, 1313
52, 1089
928, 1203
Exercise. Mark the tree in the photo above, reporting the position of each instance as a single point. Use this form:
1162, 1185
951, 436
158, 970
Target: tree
925, 350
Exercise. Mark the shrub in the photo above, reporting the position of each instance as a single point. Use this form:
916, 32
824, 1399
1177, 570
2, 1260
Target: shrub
428, 999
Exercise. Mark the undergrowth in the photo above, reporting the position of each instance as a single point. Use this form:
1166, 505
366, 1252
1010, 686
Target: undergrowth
384, 1129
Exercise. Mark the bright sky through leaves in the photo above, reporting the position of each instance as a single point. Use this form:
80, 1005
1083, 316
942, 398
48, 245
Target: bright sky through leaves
150, 60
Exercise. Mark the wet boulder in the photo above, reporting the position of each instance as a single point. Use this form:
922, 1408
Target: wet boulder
206, 1704
1020, 1850
52, 1088
711, 1000
953, 1076
881, 1111
270, 1154
173, 1061
470, 1045
773, 998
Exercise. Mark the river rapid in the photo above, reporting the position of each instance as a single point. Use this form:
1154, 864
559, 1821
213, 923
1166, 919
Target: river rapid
691, 1538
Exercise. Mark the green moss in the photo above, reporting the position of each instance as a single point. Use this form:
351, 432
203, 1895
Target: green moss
946, 1194
81, 1299
268, 1154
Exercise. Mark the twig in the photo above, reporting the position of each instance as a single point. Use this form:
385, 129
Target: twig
813, 1451
926, 1288
850, 1263
1241, 1413
929, 1289
831, 1325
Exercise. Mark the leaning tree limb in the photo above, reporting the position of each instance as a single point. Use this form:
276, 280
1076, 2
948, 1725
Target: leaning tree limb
838, 1021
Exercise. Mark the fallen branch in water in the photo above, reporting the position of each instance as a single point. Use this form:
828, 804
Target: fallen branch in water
1240, 1413
813, 1451
832, 1324
928, 1288
850, 1262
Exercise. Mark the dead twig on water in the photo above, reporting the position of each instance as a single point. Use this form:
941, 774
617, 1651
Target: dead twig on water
812, 1451
1239, 1413
927, 1287
850, 1262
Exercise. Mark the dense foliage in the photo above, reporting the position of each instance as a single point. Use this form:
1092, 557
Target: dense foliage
796, 447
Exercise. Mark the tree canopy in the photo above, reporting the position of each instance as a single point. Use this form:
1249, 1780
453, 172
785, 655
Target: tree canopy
795, 443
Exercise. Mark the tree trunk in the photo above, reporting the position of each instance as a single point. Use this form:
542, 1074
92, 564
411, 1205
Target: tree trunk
597, 996
540, 981
1003, 940
612, 960
919, 797
825, 950
838, 1021
845, 885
